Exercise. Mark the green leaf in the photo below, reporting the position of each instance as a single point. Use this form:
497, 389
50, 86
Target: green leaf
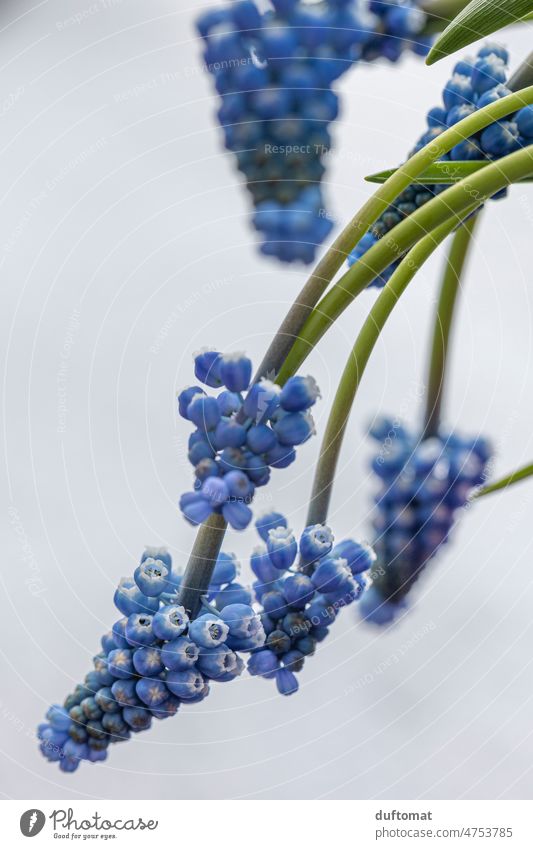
440, 173
478, 19
454, 202
507, 481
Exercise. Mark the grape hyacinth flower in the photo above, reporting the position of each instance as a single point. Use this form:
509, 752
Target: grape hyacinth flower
398, 26
475, 83
223, 589
274, 72
239, 437
424, 484
299, 604
151, 662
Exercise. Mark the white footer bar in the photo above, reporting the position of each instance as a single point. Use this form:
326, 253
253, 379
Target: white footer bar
266, 824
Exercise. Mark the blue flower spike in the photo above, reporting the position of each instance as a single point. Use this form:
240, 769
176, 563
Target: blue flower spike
274, 71
241, 434
301, 590
152, 662
474, 84
416, 506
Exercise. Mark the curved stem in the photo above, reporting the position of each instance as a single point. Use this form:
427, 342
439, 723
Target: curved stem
455, 265
505, 482
523, 75
356, 364
307, 299
207, 541
386, 194
201, 563
457, 258
454, 201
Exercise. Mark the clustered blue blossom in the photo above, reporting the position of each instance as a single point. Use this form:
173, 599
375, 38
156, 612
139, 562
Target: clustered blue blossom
223, 588
423, 485
475, 83
153, 660
301, 587
239, 437
274, 72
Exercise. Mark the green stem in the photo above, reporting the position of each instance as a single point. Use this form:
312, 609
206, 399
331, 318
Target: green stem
454, 201
208, 542
385, 195
201, 563
507, 481
523, 76
453, 271
356, 364
455, 264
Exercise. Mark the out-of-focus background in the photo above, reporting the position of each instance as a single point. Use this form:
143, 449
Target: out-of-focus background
124, 246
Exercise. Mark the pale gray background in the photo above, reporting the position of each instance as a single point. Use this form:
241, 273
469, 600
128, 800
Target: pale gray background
123, 229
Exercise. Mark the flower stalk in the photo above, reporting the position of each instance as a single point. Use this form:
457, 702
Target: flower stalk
456, 200
302, 310
444, 317
201, 563
455, 265
299, 333
356, 364
523, 75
